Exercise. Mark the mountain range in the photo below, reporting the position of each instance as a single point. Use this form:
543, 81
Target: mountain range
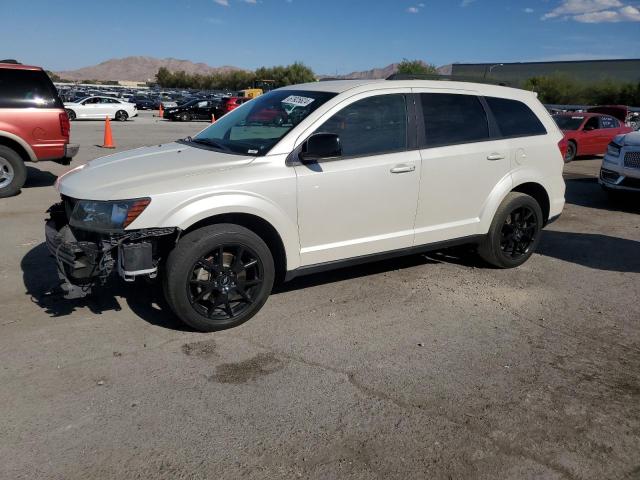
143, 69
139, 69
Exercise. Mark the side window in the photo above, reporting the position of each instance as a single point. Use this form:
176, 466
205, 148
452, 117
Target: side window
372, 126
592, 124
27, 88
91, 101
202, 104
514, 118
451, 119
609, 122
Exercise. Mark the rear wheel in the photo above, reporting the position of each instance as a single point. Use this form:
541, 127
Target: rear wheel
514, 233
572, 150
13, 172
218, 277
121, 116
185, 117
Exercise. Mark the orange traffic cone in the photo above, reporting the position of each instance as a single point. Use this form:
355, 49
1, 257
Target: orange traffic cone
213, 118
108, 137
161, 111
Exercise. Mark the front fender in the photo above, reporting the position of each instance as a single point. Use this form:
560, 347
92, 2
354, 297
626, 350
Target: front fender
164, 212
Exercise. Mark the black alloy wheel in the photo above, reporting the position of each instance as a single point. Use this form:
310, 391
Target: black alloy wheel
218, 276
519, 232
514, 233
224, 283
121, 116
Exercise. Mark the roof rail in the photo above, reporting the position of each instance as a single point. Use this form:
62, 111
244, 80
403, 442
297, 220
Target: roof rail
10, 60
451, 78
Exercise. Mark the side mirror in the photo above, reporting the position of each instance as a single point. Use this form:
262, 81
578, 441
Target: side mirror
321, 145
589, 128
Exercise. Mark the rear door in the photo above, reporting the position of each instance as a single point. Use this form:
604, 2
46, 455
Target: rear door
461, 165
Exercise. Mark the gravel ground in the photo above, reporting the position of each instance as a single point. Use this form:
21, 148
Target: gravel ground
431, 366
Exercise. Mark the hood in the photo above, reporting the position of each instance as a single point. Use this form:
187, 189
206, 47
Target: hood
628, 140
617, 111
148, 171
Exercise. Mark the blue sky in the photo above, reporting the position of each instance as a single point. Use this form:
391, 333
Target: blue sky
329, 35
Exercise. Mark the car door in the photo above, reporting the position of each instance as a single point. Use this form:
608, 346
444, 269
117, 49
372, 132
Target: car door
609, 128
461, 165
89, 108
590, 137
363, 202
201, 110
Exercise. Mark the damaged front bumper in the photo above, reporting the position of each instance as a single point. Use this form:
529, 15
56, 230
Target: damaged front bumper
85, 259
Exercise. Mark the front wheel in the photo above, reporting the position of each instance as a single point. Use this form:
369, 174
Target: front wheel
121, 116
185, 117
514, 233
218, 277
71, 114
572, 150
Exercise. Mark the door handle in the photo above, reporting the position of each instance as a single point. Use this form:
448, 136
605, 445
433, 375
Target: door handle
403, 168
495, 156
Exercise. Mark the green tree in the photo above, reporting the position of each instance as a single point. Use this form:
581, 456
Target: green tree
416, 67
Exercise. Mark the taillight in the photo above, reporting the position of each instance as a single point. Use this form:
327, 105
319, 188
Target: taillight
563, 145
65, 125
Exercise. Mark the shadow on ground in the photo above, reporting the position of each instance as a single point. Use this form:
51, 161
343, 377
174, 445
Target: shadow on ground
586, 192
144, 299
39, 178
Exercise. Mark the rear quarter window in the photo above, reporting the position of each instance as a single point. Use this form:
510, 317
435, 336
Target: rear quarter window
27, 89
514, 118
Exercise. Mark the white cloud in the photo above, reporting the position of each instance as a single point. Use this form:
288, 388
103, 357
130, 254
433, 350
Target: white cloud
224, 3
528, 10
594, 11
466, 3
412, 10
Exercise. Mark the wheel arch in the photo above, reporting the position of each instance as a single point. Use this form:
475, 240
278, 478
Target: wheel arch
258, 225
539, 193
20, 146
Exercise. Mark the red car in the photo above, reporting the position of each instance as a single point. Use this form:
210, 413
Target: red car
33, 124
588, 133
232, 103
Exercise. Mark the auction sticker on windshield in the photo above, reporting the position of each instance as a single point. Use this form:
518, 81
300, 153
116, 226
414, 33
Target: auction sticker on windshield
299, 101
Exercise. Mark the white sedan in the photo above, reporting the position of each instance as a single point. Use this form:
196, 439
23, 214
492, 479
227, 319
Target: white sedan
100, 108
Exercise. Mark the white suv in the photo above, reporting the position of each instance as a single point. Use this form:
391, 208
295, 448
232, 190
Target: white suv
308, 178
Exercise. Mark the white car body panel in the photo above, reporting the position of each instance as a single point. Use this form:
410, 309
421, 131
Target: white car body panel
339, 209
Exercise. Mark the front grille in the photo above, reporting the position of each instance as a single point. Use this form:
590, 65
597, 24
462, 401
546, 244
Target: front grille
632, 160
609, 175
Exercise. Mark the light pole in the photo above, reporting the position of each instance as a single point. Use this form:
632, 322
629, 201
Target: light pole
490, 69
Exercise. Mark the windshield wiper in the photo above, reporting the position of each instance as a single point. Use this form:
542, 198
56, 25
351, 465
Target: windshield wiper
211, 143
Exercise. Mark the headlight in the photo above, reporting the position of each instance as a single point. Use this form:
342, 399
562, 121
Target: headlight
613, 150
108, 216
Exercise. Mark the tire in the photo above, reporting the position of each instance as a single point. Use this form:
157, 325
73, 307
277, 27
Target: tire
121, 116
502, 237
13, 172
209, 291
572, 150
185, 117
71, 114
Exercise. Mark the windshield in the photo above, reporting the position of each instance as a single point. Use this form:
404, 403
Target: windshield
566, 122
255, 127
